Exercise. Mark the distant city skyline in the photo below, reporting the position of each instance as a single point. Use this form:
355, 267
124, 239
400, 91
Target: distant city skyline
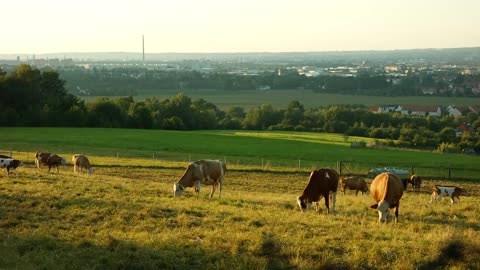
216, 26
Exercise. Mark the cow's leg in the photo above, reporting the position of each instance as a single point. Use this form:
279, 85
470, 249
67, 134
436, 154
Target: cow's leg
334, 200
220, 184
327, 202
317, 206
197, 188
214, 186
396, 212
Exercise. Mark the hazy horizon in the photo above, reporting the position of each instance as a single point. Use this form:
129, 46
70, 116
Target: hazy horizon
248, 26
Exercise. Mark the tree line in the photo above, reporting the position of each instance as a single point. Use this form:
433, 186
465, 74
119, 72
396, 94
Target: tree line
30, 97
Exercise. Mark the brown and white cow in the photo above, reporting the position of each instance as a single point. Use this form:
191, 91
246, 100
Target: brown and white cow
322, 182
354, 183
415, 181
81, 162
208, 172
49, 159
440, 191
10, 164
387, 190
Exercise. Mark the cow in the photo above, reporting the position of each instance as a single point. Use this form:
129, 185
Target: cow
439, 191
415, 181
208, 172
11, 164
81, 162
49, 159
387, 190
354, 183
322, 182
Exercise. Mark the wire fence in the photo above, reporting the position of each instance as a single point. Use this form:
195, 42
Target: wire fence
178, 159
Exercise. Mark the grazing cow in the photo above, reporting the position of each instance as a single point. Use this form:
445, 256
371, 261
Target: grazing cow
354, 183
320, 184
49, 159
10, 164
415, 181
81, 162
387, 190
208, 172
439, 191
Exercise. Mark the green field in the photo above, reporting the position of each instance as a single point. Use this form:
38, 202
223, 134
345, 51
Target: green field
125, 217
280, 99
285, 151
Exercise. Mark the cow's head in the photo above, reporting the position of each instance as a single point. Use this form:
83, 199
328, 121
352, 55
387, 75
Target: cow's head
64, 161
177, 189
303, 205
90, 171
382, 208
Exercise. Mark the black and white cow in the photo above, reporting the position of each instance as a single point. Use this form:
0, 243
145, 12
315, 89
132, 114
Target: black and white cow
10, 164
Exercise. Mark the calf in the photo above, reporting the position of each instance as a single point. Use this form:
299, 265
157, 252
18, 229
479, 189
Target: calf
81, 162
10, 164
354, 183
387, 190
320, 184
415, 181
439, 191
49, 159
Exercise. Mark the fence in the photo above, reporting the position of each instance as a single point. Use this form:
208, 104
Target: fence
164, 158
433, 172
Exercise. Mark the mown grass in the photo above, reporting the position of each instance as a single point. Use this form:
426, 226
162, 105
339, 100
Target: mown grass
126, 218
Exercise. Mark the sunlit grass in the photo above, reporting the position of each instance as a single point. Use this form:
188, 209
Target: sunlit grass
126, 217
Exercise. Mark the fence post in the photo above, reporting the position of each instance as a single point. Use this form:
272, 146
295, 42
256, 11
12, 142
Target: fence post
339, 167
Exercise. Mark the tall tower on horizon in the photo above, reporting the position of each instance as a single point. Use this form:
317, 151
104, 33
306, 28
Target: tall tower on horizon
143, 50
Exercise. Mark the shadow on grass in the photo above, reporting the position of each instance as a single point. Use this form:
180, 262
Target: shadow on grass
454, 251
19, 252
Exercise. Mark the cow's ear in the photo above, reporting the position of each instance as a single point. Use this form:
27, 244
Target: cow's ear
374, 206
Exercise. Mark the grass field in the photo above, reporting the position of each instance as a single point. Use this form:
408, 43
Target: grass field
280, 99
125, 217
290, 151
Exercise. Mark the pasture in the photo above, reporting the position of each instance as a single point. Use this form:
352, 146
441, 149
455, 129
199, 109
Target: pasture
280, 99
125, 217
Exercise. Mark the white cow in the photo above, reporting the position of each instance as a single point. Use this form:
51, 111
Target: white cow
208, 172
11, 164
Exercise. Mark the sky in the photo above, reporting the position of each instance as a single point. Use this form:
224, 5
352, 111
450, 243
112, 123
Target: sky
208, 26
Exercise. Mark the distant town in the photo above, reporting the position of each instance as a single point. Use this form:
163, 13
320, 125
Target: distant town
435, 72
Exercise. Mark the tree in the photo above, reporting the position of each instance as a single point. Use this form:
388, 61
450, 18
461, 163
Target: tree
447, 135
294, 113
139, 116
